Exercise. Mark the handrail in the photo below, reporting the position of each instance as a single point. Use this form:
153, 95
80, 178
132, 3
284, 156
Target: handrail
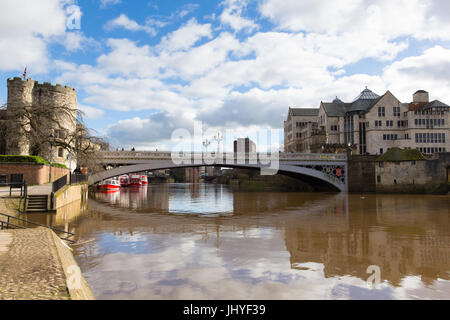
2, 223
36, 224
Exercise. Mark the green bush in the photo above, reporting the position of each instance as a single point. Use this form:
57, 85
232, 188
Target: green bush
29, 159
23, 159
59, 165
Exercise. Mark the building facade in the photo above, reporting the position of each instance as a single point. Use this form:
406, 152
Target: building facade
244, 146
24, 94
371, 124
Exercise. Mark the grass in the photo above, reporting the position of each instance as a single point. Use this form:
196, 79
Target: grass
29, 159
397, 154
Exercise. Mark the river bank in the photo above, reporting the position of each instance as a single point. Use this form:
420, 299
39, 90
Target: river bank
36, 265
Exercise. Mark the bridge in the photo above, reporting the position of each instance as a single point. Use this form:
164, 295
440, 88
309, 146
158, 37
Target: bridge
323, 171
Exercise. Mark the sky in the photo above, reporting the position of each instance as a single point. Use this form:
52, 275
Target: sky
143, 69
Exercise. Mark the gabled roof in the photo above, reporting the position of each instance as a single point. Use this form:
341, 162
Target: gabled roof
305, 112
434, 104
364, 102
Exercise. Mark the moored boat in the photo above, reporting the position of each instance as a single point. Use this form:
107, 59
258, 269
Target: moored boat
135, 181
124, 181
109, 185
144, 179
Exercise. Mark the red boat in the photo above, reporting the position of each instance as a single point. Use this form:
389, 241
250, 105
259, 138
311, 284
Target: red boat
135, 181
144, 180
124, 181
109, 185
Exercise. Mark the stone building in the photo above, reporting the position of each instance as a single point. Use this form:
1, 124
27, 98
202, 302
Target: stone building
371, 124
300, 129
31, 94
408, 171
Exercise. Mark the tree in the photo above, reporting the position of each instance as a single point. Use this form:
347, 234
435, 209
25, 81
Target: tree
40, 126
86, 147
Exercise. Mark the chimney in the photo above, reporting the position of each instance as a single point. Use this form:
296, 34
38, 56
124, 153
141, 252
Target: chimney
421, 96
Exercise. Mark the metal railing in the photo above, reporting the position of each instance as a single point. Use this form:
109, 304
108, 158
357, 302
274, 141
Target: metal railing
24, 198
5, 225
78, 178
59, 184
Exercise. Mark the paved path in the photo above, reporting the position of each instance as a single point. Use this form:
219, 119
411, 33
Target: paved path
9, 206
5, 241
32, 190
29, 266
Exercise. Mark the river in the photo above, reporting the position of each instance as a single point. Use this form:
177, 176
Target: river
206, 241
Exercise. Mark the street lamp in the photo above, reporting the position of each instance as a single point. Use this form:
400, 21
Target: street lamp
69, 157
206, 144
219, 139
51, 157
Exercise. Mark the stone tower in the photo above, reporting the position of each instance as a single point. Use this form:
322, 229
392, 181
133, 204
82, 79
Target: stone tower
29, 93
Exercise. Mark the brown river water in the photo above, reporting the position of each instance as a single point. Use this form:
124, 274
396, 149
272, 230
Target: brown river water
205, 241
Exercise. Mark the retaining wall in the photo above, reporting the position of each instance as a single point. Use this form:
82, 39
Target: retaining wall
34, 174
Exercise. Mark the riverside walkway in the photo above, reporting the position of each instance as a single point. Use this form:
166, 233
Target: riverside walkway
36, 265
30, 268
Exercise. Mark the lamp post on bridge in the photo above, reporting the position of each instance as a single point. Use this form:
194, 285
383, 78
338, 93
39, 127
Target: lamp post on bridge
219, 139
206, 144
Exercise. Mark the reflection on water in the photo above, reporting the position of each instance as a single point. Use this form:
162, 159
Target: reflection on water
207, 242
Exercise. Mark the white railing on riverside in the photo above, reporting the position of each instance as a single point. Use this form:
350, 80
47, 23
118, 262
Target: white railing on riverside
212, 157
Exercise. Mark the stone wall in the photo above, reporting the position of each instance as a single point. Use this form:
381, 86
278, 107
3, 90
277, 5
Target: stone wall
34, 174
77, 285
427, 176
70, 194
361, 175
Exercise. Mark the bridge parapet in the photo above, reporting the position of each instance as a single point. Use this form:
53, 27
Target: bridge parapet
223, 157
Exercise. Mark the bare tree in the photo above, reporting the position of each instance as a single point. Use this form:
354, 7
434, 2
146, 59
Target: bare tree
58, 125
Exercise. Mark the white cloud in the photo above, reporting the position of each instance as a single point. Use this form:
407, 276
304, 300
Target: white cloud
90, 112
146, 133
126, 23
429, 71
76, 40
232, 16
388, 19
105, 3
186, 36
26, 27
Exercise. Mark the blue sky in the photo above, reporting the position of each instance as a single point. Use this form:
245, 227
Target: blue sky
145, 68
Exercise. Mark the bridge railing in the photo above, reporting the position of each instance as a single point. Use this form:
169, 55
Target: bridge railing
213, 157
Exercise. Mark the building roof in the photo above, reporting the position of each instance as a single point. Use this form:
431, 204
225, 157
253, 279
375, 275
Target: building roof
397, 154
305, 112
366, 94
366, 100
434, 104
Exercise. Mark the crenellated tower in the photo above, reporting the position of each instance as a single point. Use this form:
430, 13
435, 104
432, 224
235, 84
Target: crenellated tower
32, 94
